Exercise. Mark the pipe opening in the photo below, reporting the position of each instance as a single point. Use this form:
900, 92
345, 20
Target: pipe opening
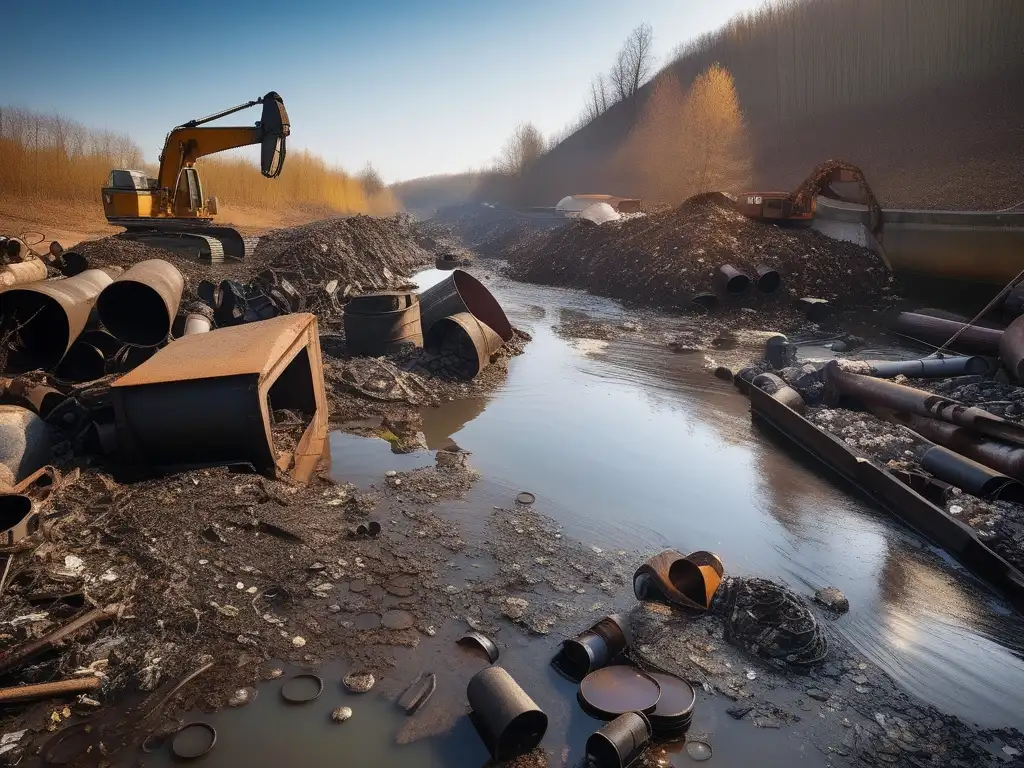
39, 330
13, 508
134, 312
768, 281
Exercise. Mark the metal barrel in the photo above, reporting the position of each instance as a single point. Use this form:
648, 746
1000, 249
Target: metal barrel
464, 343
50, 314
461, 292
967, 474
928, 368
140, 305
196, 322
71, 263
619, 743
594, 648
83, 362
29, 271
371, 331
888, 394
730, 280
507, 719
937, 330
768, 279
1011, 349
1008, 459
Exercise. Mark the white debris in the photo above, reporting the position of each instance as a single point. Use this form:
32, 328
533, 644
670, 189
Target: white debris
298, 642
239, 585
109, 575
73, 566
751, 674
28, 618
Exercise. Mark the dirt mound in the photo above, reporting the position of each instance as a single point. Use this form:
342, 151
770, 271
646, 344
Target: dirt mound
664, 259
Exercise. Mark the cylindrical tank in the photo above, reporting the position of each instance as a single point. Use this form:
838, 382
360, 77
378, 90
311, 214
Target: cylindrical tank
379, 323
466, 341
508, 720
140, 305
730, 280
461, 292
619, 743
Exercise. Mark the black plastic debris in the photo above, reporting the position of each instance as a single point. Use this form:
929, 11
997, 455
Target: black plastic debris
193, 740
302, 688
481, 641
509, 722
620, 743
418, 692
594, 648
613, 691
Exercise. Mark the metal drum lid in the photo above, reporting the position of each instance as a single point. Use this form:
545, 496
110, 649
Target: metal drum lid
612, 691
671, 717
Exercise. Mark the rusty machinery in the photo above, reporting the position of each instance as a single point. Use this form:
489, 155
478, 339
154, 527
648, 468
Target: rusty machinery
800, 206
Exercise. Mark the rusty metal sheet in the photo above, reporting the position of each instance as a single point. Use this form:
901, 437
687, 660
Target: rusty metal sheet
896, 497
205, 400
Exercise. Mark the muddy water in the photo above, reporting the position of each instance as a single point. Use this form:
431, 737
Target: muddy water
629, 446
632, 446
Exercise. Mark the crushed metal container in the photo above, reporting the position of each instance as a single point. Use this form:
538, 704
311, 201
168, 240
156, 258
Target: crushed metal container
379, 323
687, 582
469, 344
207, 399
52, 314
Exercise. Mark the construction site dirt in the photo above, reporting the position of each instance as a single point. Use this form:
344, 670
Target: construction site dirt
609, 417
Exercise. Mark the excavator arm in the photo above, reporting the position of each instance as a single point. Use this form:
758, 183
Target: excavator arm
187, 143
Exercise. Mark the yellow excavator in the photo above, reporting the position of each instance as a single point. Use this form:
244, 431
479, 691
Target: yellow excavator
170, 211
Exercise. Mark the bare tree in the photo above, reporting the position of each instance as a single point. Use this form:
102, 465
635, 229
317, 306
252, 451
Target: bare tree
523, 148
597, 100
634, 64
371, 181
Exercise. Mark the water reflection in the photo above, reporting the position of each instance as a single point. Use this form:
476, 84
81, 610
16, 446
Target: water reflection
638, 447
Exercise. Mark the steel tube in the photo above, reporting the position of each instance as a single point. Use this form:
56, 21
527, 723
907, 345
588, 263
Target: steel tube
936, 330
927, 368
897, 397
50, 315
730, 280
780, 390
619, 743
1011, 348
768, 279
461, 292
83, 362
1008, 459
967, 474
140, 305
508, 720
466, 337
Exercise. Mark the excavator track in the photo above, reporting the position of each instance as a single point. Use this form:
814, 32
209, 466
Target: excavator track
205, 242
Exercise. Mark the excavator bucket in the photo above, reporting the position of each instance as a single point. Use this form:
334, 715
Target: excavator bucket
275, 128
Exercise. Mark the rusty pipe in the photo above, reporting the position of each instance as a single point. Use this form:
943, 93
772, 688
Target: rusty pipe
768, 280
730, 280
29, 271
1011, 349
49, 316
1008, 459
937, 330
140, 305
897, 397
972, 476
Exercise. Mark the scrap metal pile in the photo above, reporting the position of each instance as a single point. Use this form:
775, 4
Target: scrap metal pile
667, 259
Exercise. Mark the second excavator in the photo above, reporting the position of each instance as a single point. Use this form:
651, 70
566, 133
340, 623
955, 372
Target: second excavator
170, 211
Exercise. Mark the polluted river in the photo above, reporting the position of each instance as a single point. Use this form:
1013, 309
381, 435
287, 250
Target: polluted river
630, 448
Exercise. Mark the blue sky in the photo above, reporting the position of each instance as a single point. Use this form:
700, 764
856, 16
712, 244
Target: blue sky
413, 87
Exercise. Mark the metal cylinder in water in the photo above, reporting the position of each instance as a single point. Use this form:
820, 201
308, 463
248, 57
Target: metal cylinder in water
730, 280
379, 323
507, 719
29, 271
465, 338
768, 279
461, 292
619, 743
196, 322
140, 305
50, 315
594, 648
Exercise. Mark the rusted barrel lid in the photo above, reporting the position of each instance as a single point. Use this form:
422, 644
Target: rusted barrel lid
301, 688
193, 740
612, 691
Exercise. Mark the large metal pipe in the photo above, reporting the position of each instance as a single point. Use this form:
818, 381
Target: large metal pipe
973, 477
897, 397
1008, 459
937, 331
927, 368
49, 316
780, 390
29, 271
1011, 348
83, 362
768, 279
620, 743
465, 344
140, 305
508, 720
461, 292
730, 280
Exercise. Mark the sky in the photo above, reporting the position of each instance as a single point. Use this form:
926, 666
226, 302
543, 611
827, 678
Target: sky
416, 88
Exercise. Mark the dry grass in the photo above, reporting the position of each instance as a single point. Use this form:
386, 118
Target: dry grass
50, 157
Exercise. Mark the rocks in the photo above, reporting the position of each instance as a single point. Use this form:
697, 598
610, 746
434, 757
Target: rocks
298, 642
738, 713
514, 608
359, 682
723, 373
817, 694
833, 599
341, 714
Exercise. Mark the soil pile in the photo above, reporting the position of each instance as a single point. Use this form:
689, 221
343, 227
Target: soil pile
664, 259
